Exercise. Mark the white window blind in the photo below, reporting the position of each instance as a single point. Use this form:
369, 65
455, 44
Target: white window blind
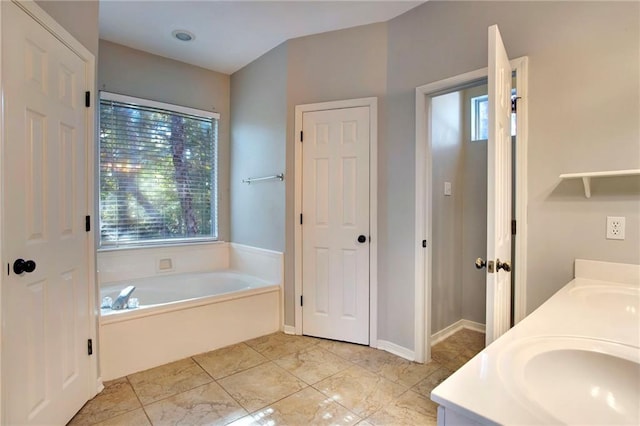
158, 172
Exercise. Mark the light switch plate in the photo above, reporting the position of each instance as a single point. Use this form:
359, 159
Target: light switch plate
447, 188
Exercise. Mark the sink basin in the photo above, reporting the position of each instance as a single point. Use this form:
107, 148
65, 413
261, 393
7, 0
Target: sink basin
574, 380
619, 299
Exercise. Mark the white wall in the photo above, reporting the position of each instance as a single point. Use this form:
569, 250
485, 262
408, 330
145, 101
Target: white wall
135, 73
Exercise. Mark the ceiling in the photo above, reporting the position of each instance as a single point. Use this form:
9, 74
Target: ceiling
231, 34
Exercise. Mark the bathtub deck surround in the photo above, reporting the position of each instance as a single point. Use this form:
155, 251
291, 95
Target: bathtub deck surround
575, 360
281, 379
213, 295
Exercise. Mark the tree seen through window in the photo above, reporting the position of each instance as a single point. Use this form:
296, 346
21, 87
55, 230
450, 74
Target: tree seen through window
157, 174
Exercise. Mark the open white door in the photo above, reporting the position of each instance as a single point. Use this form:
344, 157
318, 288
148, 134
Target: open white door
498, 190
47, 251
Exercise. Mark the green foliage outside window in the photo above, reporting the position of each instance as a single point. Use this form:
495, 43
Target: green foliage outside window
157, 175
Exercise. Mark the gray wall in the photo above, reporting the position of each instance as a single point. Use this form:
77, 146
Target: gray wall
459, 220
258, 137
80, 18
584, 64
584, 99
135, 73
474, 217
447, 210
331, 66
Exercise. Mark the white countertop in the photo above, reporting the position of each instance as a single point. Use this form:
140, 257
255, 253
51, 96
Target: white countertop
597, 314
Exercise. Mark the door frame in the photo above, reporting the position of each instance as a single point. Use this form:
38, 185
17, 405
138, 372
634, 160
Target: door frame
372, 103
424, 190
94, 385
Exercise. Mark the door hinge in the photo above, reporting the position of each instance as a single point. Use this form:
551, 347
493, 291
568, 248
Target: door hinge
424, 243
300, 218
514, 104
87, 99
89, 347
301, 136
87, 223
513, 227
301, 303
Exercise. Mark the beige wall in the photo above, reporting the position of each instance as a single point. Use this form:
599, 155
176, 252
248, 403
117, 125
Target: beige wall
258, 137
135, 73
79, 17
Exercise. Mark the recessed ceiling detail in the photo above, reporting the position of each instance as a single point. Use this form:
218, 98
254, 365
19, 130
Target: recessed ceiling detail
183, 35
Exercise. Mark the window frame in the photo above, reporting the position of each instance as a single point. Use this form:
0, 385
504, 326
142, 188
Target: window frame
474, 115
171, 108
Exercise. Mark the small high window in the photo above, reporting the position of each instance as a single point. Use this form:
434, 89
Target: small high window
158, 172
480, 118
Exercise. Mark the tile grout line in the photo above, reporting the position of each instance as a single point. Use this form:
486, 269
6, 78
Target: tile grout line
459, 348
235, 372
172, 395
139, 400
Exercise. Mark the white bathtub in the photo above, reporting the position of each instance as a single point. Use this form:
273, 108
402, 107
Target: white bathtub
187, 313
181, 291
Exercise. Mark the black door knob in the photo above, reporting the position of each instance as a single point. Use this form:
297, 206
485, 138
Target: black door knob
21, 265
362, 239
506, 266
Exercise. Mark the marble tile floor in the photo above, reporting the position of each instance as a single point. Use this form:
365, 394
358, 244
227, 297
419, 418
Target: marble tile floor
283, 380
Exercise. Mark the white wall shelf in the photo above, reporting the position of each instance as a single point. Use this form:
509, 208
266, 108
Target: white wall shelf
587, 176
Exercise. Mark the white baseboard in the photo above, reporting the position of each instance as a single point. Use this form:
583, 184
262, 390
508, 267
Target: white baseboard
289, 329
398, 350
439, 336
99, 385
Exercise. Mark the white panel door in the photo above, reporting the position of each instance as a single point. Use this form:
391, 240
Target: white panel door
498, 190
335, 230
45, 313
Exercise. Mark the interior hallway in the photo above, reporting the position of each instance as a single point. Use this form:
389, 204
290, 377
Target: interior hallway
283, 380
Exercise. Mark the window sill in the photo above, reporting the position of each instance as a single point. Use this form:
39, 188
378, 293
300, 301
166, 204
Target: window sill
159, 245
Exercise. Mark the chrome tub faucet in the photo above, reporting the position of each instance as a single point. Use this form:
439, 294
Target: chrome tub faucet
122, 302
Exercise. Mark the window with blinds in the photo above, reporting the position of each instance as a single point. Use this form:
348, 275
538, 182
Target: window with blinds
158, 168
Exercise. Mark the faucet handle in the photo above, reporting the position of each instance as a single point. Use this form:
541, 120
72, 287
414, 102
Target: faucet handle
122, 300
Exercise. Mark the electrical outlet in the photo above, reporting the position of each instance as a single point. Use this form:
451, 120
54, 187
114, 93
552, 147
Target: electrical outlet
615, 228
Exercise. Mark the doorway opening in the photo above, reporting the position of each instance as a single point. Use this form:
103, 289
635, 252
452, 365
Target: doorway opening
450, 175
459, 136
